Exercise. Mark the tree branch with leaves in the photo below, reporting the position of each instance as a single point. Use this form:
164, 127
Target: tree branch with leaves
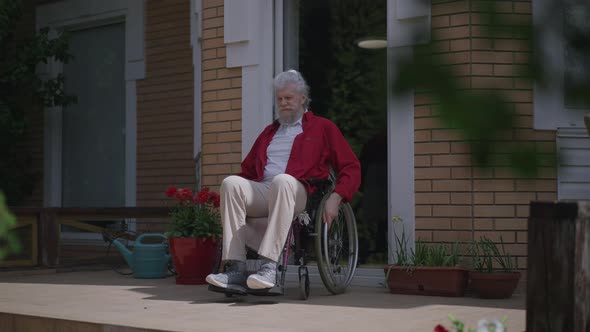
23, 91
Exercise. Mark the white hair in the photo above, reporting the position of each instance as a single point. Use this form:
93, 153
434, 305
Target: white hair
295, 78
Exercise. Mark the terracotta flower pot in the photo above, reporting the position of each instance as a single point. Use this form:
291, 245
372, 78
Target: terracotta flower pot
193, 258
497, 285
434, 281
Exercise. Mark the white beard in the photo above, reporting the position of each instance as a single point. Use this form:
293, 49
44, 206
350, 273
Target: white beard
290, 118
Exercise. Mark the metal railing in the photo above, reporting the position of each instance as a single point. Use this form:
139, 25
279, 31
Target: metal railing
44, 240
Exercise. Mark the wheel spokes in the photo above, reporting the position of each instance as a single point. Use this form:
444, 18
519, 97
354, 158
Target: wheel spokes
336, 246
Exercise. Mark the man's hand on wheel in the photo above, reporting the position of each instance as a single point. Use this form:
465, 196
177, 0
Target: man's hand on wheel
331, 208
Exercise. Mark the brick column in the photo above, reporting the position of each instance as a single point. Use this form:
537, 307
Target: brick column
165, 104
222, 102
456, 201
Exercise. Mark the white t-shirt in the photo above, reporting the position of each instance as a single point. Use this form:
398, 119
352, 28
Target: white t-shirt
279, 149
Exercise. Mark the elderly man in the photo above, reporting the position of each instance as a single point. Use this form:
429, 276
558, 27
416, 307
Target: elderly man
272, 183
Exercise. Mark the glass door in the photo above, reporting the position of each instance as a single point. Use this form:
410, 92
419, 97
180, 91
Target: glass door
348, 85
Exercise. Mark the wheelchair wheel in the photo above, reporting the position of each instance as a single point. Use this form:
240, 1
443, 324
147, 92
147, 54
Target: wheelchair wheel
336, 248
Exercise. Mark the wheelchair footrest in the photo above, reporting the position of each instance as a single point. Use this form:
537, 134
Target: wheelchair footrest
238, 290
230, 290
274, 291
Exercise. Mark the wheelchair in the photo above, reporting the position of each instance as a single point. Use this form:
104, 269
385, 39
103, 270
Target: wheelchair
335, 248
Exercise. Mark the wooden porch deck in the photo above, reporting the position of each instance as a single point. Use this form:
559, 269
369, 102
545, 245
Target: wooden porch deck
106, 301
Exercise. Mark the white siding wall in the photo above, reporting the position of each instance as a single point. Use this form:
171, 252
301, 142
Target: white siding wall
573, 175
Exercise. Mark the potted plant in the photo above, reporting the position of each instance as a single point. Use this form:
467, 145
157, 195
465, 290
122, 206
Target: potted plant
194, 233
429, 270
489, 280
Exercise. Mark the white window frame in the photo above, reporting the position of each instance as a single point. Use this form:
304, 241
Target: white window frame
550, 111
71, 15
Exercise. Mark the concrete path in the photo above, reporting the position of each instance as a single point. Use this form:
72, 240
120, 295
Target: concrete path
105, 297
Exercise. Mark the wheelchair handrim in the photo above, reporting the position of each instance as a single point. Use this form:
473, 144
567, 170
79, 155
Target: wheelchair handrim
336, 283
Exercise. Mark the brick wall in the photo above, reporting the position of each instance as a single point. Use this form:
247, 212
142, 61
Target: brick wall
165, 103
222, 103
456, 201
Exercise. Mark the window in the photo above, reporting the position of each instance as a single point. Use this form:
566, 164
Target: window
93, 130
577, 64
554, 104
90, 147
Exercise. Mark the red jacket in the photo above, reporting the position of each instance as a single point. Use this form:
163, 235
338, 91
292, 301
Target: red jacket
320, 146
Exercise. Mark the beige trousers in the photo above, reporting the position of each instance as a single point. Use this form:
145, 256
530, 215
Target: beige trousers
258, 215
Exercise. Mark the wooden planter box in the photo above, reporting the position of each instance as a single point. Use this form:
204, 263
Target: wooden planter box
500, 285
431, 281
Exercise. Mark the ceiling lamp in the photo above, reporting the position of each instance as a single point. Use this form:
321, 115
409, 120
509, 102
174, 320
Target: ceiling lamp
372, 43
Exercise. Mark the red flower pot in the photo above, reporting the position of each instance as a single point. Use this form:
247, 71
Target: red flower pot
433, 281
497, 285
193, 258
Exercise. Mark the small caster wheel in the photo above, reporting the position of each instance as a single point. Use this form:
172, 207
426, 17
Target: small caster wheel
303, 283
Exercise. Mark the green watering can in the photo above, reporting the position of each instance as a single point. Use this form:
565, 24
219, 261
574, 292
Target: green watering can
148, 260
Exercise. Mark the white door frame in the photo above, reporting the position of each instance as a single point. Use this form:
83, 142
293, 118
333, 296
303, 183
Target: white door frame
250, 45
247, 36
405, 20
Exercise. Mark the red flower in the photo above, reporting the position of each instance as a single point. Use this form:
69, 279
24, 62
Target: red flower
214, 199
183, 195
171, 192
203, 196
440, 328
185, 215
213, 196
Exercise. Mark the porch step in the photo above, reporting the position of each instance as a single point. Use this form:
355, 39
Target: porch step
26, 323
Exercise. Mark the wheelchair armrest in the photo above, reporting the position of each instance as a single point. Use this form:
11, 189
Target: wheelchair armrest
322, 187
321, 184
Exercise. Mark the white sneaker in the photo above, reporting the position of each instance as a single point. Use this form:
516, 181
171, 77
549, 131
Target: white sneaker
235, 275
265, 277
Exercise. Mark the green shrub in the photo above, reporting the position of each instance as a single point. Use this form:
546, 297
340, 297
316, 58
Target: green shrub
8, 242
22, 90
